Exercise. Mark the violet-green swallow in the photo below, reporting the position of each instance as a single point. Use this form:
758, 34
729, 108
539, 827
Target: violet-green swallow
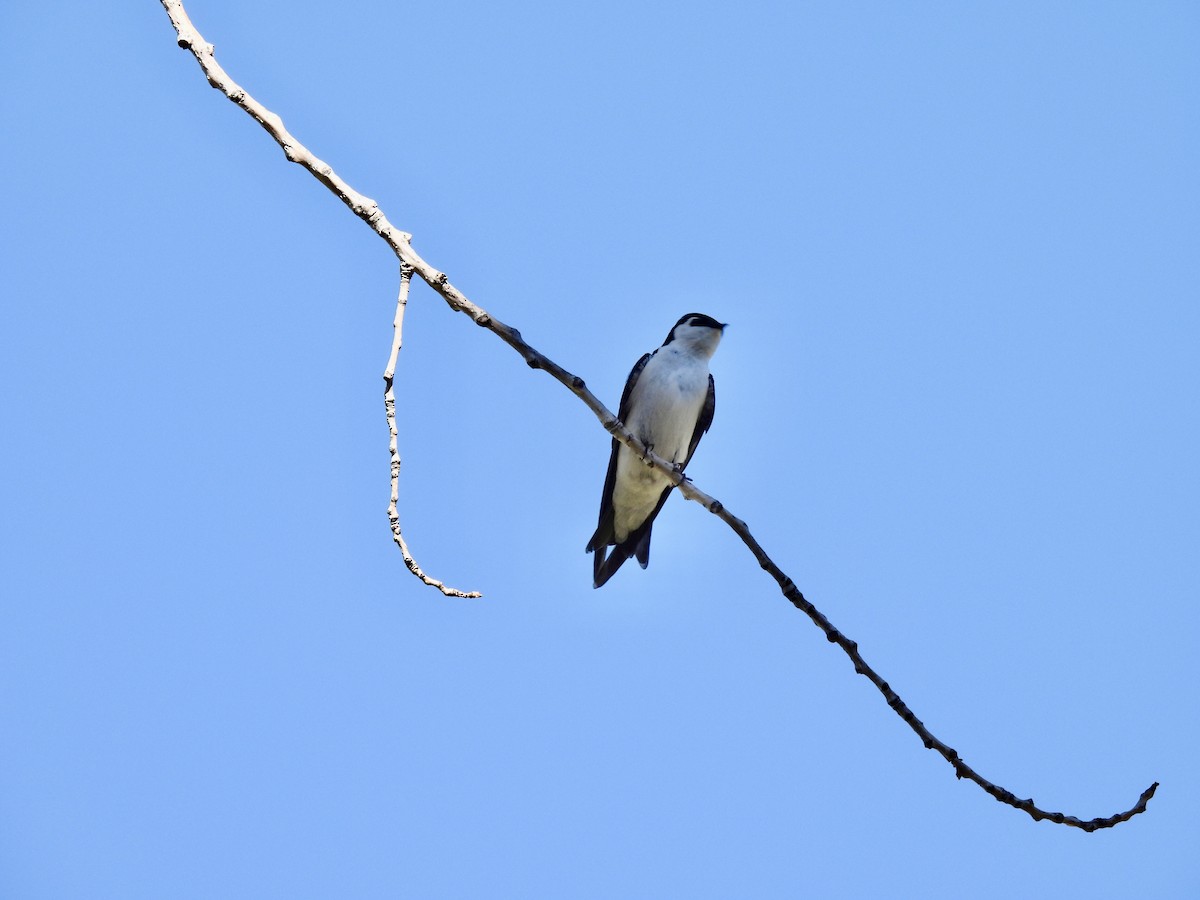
668, 404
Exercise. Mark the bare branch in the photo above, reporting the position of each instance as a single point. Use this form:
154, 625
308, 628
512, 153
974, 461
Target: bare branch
389, 405
399, 241
363, 207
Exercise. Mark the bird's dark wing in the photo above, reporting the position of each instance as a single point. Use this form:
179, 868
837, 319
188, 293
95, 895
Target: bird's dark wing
634, 374
604, 530
705, 421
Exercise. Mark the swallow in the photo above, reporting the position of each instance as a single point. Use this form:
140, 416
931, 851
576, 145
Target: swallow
668, 404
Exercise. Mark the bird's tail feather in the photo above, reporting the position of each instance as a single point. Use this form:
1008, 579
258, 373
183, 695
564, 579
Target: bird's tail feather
605, 569
598, 563
643, 550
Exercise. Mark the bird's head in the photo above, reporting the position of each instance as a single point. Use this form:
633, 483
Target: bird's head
696, 333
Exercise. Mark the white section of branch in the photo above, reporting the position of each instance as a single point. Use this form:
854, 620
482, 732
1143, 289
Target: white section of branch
389, 405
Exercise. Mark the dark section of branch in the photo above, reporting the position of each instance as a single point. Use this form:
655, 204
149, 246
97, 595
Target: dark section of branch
613, 425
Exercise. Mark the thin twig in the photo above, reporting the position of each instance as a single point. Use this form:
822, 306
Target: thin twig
389, 405
399, 241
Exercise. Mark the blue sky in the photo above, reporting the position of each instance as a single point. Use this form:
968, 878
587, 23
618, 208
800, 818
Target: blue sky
957, 403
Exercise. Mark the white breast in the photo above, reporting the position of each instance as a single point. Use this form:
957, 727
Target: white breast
663, 410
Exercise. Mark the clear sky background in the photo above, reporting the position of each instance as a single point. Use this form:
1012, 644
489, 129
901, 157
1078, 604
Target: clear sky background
958, 246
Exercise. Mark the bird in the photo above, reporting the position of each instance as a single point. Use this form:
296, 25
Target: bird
668, 404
